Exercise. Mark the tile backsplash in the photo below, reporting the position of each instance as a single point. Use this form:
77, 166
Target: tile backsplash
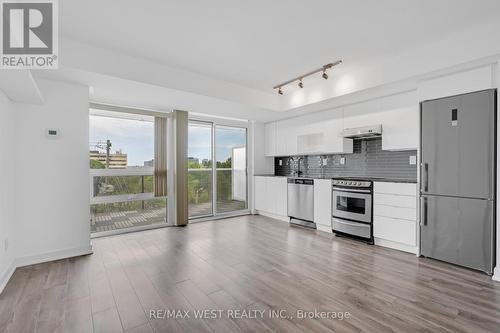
368, 160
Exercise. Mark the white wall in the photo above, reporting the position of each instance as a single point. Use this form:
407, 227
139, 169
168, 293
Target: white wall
52, 179
6, 189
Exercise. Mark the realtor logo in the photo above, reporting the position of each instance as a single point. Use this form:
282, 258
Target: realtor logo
29, 34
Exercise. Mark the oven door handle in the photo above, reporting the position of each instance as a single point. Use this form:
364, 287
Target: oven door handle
339, 189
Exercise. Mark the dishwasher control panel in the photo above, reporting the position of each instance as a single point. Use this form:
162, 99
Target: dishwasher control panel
300, 181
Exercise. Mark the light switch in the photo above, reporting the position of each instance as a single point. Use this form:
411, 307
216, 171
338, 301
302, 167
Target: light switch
342, 160
324, 161
413, 159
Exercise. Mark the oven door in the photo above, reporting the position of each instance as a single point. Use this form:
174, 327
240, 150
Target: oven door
356, 206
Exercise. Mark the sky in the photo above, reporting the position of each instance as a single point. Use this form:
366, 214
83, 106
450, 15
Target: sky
199, 144
136, 139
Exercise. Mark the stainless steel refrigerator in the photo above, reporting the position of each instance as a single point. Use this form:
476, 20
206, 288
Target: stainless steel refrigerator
457, 179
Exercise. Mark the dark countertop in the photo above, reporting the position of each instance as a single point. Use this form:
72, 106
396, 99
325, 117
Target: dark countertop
375, 179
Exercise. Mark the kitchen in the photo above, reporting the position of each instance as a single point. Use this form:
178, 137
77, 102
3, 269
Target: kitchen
354, 170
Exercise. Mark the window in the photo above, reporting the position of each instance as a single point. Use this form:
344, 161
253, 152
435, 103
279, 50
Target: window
121, 160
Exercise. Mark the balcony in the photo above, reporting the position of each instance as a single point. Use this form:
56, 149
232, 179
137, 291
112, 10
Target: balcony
231, 191
124, 198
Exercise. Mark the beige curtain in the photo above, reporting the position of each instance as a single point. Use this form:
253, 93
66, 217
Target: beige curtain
160, 158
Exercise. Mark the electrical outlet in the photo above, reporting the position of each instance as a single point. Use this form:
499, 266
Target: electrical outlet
324, 161
342, 160
280, 162
413, 159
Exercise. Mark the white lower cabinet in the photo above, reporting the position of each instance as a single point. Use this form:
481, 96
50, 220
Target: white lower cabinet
270, 195
395, 215
323, 204
394, 208
260, 185
277, 195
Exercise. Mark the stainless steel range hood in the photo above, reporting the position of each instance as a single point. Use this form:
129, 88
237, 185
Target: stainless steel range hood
362, 132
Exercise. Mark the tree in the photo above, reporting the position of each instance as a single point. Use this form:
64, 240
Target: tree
225, 165
96, 164
193, 165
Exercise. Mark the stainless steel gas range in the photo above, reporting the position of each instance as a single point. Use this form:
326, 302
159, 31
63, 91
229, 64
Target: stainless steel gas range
352, 208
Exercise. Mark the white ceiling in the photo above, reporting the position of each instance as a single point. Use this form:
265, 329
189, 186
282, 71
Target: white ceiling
259, 43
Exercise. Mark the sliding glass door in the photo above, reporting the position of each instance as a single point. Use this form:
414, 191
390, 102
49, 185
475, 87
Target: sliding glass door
200, 171
231, 157
223, 189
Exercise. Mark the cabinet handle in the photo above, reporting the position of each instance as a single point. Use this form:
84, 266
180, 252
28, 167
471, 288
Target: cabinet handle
424, 213
426, 175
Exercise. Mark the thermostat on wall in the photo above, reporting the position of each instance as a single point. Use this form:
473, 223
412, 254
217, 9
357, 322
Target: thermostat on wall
52, 133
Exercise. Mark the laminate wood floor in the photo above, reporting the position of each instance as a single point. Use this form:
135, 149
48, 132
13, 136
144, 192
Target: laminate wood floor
249, 263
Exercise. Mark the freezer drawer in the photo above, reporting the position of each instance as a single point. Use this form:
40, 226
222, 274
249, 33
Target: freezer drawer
458, 230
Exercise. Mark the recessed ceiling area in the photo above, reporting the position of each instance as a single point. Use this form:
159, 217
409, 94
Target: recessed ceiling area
258, 44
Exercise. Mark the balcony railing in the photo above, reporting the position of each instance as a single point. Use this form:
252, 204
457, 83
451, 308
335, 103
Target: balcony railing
124, 198
231, 190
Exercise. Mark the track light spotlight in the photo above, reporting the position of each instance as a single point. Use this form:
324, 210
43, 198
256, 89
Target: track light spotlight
299, 78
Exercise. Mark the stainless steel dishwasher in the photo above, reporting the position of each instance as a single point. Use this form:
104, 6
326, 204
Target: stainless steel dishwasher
301, 201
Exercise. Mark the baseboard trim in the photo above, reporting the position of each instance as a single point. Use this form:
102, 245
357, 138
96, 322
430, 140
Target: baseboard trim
274, 216
496, 274
324, 228
396, 245
55, 255
6, 275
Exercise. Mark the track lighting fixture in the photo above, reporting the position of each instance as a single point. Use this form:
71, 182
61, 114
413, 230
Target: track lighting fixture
299, 78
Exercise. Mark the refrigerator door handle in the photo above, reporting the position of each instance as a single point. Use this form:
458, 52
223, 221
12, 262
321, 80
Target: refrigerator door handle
424, 211
426, 177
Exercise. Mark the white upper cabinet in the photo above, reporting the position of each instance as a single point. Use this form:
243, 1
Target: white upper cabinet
362, 114
400, 121
318, 133
398, 114
270, 139
321, 132
286, 137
